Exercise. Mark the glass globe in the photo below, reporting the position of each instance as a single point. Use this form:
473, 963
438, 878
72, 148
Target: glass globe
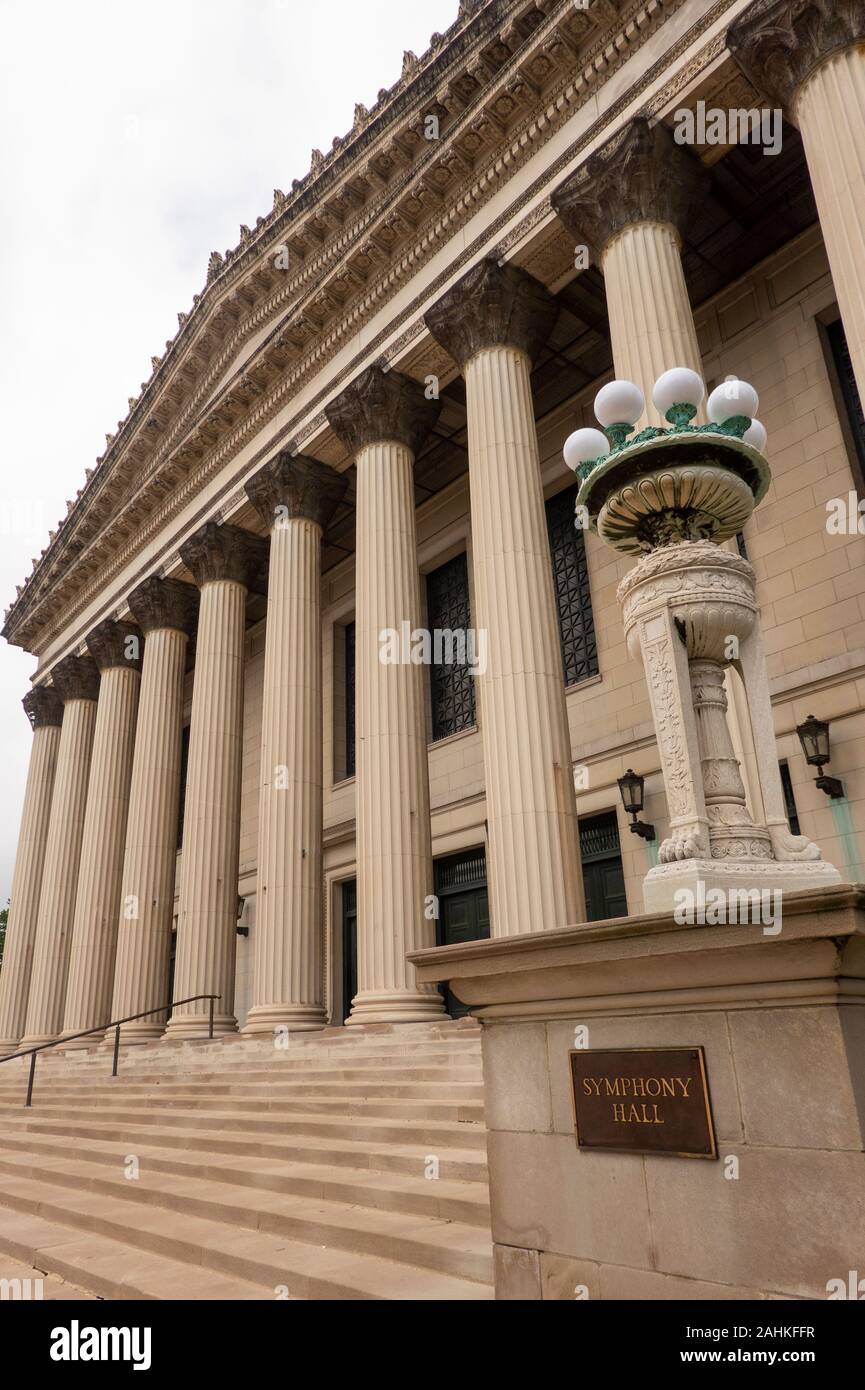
678, 386
756, 436
619, 403
584, 446
732, 397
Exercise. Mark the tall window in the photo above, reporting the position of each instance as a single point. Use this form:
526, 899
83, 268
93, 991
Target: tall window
452, 686
349, 699
573, 595
184, 770
789, 798
849, 392
603, 875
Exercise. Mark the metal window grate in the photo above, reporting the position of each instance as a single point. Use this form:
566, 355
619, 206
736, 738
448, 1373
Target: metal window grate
452, 686
849, 390
349, 700
789, 798
599, 836
573, 594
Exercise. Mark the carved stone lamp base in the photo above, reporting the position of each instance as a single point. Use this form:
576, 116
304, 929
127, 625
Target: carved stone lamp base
668, 887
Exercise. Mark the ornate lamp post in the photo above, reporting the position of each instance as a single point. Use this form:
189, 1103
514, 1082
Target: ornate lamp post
671, 496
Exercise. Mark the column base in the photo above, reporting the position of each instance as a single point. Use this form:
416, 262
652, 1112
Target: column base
185, 1026
80, 1044
132, 1035
698, 877
396, 1007
8, 1046
38, 1040
297, 1018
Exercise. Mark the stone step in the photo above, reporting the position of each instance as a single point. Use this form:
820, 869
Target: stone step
22, 1283
305, 1074
411, 1194
359, 1107
306, 1270
448, 1247
469, 1133
457, 1164
256, 1092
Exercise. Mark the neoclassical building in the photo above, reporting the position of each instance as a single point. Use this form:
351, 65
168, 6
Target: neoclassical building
356, 430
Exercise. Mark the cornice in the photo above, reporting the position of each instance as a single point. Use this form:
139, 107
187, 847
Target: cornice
192, 463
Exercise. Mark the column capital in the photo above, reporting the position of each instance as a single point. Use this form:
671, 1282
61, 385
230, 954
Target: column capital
779, 43
43, 706
109, 644
76, 678
303, 486
492, 306
224, 552
640, 175
381, 405
158, 603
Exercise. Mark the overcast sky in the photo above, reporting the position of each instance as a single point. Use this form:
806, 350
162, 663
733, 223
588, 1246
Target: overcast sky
135, 139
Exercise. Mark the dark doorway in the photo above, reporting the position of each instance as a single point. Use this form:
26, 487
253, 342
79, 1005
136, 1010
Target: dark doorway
603, 875
349, 945
464, 912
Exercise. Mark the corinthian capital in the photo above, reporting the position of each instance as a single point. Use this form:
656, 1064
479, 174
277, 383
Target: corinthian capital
115, 644
382, 405
76, 678
779, 43
641, 175
493, 306
158, 603
224, 552
298, 486
43, 706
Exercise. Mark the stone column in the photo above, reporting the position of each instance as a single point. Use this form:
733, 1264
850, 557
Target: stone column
382, 418
627, 203
295, 498
116, 649
224, 562
808, 56
493, 322
76, 679
165, 610
44, 709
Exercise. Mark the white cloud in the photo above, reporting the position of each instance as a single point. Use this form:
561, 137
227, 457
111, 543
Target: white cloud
136, 139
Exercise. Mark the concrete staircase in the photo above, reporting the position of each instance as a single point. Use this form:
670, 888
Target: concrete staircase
351, 1164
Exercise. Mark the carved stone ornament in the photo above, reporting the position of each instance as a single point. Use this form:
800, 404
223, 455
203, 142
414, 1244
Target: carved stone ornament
159, 603
382, 405
116, 644
43, 706
493, 306
641, 175
779, 43
76, 678
216, 552
299, 486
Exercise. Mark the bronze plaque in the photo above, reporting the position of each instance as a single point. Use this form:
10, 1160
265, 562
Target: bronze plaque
651, 1100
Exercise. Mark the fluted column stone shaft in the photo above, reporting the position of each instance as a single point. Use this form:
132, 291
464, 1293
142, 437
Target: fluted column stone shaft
809, 57
44, 708
224, 562
382, 418
77, 681
166, 610
493, 322
295, 497
116, 649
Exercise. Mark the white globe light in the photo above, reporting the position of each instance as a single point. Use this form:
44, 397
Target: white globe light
583, 446
732, 397
619, 403
678, 386
756, 436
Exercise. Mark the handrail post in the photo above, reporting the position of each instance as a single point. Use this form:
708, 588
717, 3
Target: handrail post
210, 1022
116, 1049
30, 1081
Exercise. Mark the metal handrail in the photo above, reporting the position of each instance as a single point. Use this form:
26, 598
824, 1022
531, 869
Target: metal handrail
115, 1023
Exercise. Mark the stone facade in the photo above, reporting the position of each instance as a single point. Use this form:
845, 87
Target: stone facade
426, 278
